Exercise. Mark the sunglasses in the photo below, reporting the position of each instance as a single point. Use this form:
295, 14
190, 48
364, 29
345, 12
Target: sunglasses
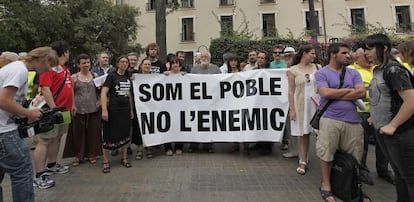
307, 76
276, 52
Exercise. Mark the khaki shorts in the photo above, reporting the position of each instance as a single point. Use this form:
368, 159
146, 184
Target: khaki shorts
339, 135
58, 129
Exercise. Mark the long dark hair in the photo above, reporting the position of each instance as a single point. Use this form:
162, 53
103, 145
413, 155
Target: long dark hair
383, 46
302, 50
230, 58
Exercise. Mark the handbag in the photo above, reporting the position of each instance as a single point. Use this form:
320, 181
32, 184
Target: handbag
319, 112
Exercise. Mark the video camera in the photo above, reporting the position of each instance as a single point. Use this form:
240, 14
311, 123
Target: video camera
49, 118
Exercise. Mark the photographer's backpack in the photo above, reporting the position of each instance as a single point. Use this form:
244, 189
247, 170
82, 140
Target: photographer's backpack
345, 181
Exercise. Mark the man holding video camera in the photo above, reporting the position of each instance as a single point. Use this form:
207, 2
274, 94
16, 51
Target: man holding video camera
15, 154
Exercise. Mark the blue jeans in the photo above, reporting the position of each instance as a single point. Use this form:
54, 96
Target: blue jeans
399, 149
16, 161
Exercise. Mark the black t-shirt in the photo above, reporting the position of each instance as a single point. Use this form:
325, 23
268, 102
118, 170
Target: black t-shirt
398, 78
158, 67
119, 89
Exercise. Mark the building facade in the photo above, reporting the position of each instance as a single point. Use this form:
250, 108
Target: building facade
196, 22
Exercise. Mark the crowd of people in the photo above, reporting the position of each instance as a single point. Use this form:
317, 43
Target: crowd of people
103, 118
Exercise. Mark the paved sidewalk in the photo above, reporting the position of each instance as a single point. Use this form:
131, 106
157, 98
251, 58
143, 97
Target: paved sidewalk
198, 177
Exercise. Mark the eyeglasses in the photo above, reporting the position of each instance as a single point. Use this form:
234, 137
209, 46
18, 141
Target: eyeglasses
277, 52
307, 76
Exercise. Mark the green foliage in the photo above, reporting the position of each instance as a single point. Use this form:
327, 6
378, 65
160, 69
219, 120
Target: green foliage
89, 26
360, 32
242, 47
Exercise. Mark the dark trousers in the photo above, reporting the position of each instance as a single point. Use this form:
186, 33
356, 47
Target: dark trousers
286, 132
399, 148
381, 160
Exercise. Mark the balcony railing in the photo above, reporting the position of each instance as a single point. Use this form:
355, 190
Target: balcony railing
404, 28
267, 1
149, 6
226, 2
187, 4
187, 36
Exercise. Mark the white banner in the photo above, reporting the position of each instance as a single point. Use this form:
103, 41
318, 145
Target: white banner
249, 106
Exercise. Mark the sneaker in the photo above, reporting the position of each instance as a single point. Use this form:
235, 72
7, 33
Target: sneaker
57, 169
366, 179
43, 182
290, 155
284, 146
178, 151
169, 153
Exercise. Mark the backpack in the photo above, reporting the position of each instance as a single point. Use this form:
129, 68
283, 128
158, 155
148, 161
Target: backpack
345, 179
396, 100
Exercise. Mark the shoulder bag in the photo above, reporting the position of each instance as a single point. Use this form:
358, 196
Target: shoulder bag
319, 112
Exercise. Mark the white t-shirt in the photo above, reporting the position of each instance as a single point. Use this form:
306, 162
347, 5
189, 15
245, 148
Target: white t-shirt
224, 68
14, 74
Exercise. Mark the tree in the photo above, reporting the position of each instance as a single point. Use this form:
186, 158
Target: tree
89, 26
161, 26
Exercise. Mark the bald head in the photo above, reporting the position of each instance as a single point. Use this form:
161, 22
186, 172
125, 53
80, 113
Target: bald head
360, 58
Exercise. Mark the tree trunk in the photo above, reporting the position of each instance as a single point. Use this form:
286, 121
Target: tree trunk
161, 28
312, 20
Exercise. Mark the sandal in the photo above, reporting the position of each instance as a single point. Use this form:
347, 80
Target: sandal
75, 162
326, 194
302, 168
92, 160
125, 163
149, 153
106, 168
139, 155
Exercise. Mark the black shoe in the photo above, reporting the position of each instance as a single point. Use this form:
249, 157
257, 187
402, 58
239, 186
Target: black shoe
284, 146
371, 140
388, 177
114, 152
129, 151
366, 179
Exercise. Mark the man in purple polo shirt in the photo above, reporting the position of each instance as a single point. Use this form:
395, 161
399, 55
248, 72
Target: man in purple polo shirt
340, 127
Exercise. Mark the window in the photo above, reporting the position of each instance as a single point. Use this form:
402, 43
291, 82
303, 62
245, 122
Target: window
187, 3
150, 5
187, 29
307, 17
358, 20
119, 2
267, 1
226, 2
226, 23
403, 23
269, 26
188, 61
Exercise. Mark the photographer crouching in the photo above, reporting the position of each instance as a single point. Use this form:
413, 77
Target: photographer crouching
15, 154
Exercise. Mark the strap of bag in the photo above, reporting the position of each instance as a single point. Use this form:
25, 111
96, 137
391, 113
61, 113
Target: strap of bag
61, 86
341, 83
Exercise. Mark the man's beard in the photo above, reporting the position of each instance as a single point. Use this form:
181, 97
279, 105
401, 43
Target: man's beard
252, 61
205, 63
